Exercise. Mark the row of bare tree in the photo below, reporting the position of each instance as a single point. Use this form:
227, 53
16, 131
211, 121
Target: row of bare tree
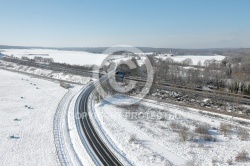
231, 74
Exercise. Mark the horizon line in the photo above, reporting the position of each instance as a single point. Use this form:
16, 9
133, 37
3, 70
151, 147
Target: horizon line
62, 47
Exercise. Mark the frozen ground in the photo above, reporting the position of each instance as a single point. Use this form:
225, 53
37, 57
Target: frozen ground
46, 73
195, 58
69, 57
27, 132
86, 58
156, 141
144, 152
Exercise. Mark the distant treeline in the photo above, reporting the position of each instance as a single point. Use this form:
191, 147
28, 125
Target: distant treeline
209, 51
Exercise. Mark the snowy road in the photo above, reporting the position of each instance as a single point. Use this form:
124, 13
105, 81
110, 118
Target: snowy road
96, 147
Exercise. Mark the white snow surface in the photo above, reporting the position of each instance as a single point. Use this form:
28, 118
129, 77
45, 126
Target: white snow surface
86, 58
33, 141
47, 73
69, 57
120, 130
63, 142
158, 144
195, 58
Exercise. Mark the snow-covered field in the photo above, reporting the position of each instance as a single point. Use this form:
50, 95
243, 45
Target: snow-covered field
45, 72
86, 58
156, 140
195, 58
27, 108
69, 57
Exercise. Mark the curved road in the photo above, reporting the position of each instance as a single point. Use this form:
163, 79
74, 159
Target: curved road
100, 149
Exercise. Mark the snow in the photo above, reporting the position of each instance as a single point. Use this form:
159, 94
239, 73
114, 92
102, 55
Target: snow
195, 58
64, 146
33, 129
119, 130
152, 132
52, 109
69, 57
45, 72
86, 58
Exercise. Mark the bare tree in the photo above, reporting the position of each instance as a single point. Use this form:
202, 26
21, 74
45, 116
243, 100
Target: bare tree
24, 58
187, 61
48, 60
206, 63
184, 134
38, 59
199, 63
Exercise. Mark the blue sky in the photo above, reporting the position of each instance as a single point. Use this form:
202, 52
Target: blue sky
154, 23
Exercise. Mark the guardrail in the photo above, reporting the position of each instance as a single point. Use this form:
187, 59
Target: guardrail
60, 146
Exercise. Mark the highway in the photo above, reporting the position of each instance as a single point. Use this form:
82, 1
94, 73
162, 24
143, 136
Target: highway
100, 149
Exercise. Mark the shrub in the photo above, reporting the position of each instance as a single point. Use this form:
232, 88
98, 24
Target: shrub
202, 129
132, 138
214, 161
184, 134
225, 128
243, 134
209, 138
175, 126
10, 65
190, 163
242, 156
230, 162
